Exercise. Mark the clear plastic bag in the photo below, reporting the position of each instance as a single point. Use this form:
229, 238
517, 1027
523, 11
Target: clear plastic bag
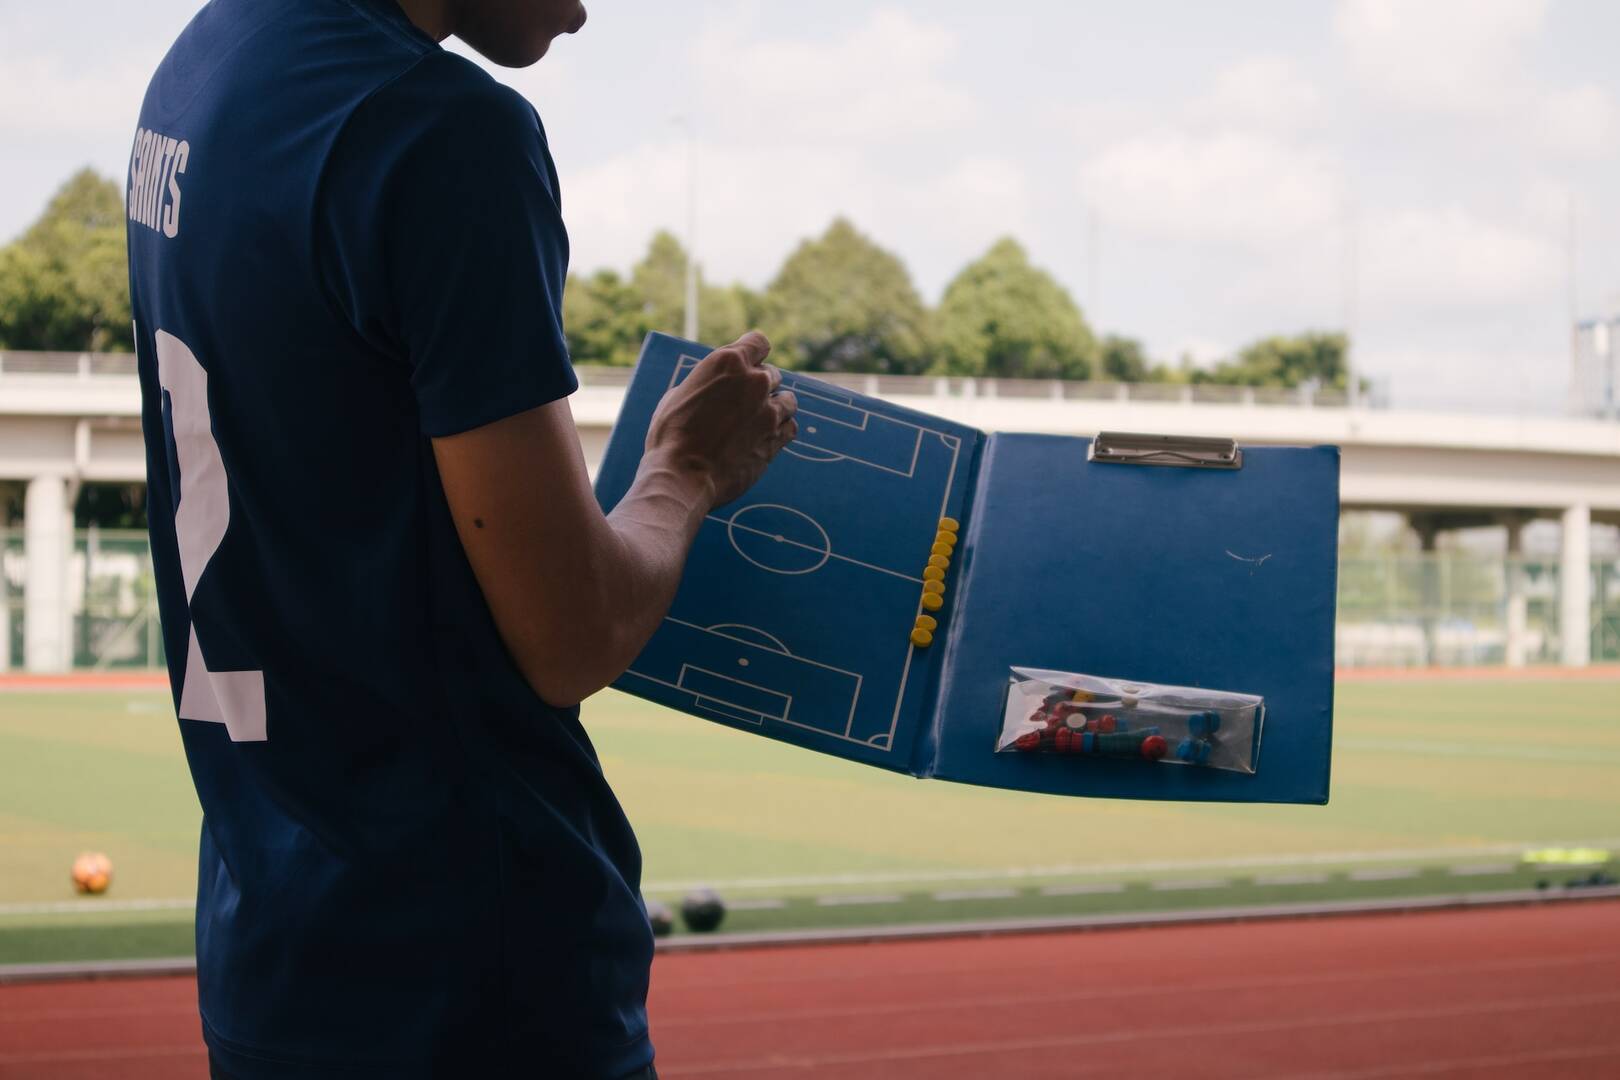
1062, 712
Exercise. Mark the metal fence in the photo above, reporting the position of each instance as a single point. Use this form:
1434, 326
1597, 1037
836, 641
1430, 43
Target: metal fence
111, 594
1450, 609
1403, 610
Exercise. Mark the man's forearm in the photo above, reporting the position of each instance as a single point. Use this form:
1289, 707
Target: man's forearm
653, 528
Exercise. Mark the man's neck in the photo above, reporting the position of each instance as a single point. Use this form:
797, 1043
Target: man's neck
432, 17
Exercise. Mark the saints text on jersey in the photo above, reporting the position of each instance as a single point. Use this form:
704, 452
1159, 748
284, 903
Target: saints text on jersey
155, 167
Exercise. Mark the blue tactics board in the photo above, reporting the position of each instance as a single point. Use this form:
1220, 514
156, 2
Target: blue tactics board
794, 616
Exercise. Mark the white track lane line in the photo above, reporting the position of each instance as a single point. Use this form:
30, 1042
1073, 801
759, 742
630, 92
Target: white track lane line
1232, 862
1155, 1029
1463, 1066
1189, 884
1293, 879
1036, 969
1084, 888
865, 898
976, 894
911, 1004
1398, 873
1483, 869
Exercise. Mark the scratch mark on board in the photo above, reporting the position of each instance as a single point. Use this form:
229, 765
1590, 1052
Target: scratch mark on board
1257, 560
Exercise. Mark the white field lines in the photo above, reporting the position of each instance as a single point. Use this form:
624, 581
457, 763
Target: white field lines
1282, 861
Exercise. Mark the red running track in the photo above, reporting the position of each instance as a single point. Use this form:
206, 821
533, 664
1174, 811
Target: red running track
1515, 992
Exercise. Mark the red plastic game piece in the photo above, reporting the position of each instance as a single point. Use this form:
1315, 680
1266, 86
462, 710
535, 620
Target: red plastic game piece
1154, 747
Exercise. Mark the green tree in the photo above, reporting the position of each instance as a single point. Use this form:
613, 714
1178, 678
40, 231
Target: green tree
1122, 359
841, 303
64, 284
660, 280
1286, 361
1003, 317
604, 318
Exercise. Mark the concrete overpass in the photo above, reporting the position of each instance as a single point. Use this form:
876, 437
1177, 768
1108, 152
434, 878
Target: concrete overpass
68, 419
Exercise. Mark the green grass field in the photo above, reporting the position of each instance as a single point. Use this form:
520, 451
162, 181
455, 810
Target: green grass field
1430, 774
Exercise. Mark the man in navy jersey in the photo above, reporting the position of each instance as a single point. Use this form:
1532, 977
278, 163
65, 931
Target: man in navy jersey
384, 581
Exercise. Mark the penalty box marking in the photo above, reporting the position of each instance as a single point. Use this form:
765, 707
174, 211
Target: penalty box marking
698, 681
764, 652
857, 420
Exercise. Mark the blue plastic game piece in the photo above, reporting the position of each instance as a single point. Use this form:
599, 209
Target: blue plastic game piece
1205, 749
1088, 743
1185, 750
1198, 725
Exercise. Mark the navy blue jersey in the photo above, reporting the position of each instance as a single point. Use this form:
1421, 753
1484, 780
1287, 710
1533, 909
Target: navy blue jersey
343, 242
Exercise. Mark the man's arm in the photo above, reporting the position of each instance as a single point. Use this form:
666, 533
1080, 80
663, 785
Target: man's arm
576, 594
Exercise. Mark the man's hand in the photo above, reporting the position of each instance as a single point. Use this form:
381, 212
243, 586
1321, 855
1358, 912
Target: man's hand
727, 420
575, 594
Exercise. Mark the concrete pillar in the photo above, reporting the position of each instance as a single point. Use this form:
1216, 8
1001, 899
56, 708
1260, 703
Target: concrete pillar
47, 550
1575, 587
1515, 616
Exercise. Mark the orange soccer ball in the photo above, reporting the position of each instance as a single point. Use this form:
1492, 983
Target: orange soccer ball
92, 872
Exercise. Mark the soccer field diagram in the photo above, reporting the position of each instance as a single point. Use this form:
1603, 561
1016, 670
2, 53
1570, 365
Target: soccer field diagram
798, 602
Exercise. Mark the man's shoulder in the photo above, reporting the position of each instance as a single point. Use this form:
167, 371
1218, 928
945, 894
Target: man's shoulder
443, 89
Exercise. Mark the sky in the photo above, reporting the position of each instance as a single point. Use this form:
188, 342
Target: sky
1439, 176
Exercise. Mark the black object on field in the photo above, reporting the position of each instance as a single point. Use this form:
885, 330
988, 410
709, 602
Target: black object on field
660, 916
702, 910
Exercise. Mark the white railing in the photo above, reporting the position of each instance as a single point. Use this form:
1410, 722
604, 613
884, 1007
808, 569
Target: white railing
83, 365
938, 386
100, 365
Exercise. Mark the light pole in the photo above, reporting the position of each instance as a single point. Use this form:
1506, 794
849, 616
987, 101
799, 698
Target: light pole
689, 329
1350, 287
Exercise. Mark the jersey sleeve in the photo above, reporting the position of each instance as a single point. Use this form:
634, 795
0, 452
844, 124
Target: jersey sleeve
440, 237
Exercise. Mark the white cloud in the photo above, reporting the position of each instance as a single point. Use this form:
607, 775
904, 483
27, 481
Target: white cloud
748, 217
887, 79
749, 220
1447, 55
1202, 351
1468, 58
1477, 376
796, 132
1228, 187
1263, 91
1450, 257
1580, 121
50, 96
950, 220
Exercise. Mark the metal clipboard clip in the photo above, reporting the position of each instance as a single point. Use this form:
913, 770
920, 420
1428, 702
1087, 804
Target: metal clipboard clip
1185, 451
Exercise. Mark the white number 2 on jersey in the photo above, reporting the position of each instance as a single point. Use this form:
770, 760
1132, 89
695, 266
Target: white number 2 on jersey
232, 698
